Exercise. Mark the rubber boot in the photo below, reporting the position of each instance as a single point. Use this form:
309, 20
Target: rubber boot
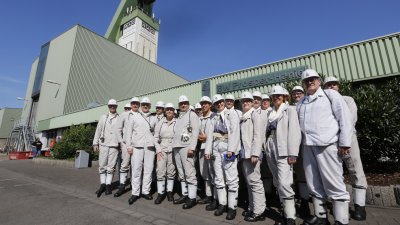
190, 203
108, 189
320, 213
232, 204
212, 206
184, 196
289, 211
359, 204
121, 190
231, 214
220, 210
341, 212
101, 189
161, 192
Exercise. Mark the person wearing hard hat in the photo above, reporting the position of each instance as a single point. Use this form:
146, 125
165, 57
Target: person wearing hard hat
183, 147
282, 148
159, 110
121, 129
266, 174
127, 107
257, 101
230, 105
297, 93
326, 126
304, 210
163, 135
353, 160
206, 166
223, 144
252, 134
106, 143
197, 109
140, 142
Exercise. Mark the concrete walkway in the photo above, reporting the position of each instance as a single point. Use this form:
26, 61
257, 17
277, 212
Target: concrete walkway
80, 185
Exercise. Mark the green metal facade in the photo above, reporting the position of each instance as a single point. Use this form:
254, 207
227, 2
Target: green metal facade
101, 70
7, 118
370, 59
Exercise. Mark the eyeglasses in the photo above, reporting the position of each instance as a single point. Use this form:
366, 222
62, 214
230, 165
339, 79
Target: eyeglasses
112, 106
145, 104
169, 109
183, 103
310, 79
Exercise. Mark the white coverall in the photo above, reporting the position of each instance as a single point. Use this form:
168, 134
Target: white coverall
206, 166
224, 137
284, 140
122, 127
353, 160
252, 136
322, 115
106, 139
185, 138
163, 136
140, 138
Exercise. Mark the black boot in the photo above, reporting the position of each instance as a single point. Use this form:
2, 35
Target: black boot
359, 213
160, 198
133, 199
147, 196
101, 189
247, 213
220, 210
170, 196
304, 209
212, 206
290, 222
339, 223
231, 214
316, 221
254, 217
205, 200
180, 200
121, 190
189, 203
108, 189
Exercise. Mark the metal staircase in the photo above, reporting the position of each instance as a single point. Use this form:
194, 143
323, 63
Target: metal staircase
21, 137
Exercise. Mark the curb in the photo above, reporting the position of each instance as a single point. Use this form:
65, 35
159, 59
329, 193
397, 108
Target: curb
59, 163
387, 196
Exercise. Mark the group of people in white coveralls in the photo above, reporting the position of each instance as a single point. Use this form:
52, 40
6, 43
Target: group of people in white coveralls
310, 139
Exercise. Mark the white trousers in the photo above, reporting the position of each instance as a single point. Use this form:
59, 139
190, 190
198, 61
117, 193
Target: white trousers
207, 172
142, 159
324, 172
165, 167
281, 171
107, 159
255, 186
354, 165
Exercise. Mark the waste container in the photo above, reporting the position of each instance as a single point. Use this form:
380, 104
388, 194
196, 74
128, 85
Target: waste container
81, 159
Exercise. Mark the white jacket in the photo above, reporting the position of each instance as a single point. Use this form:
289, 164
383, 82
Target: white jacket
323, 123
106, 129
186, 130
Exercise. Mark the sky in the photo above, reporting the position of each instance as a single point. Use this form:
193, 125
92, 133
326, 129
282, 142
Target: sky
197, 39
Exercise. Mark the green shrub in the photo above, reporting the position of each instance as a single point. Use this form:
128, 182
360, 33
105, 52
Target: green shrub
79, 137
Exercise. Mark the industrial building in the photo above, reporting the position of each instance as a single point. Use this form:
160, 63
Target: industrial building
77, 72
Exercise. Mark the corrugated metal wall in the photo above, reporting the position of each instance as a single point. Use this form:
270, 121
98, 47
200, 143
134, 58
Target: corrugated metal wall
369, 59
101, 70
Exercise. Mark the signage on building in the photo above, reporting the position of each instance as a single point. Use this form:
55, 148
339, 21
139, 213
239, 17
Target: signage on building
261, 80
205, 88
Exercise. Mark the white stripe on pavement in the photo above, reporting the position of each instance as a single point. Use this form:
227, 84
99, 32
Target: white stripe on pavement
8, 179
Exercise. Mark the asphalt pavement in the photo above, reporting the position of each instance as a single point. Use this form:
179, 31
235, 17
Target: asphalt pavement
42, 194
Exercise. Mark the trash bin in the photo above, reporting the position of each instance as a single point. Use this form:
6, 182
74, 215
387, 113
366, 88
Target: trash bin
81, 159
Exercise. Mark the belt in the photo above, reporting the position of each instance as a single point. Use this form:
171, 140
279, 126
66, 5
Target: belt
219, 136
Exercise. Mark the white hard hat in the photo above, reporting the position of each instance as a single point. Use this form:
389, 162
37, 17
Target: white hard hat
264, 96
331, 79
112, 102
257, 94
127, 105
309, 73
230, 97
217, 98
183, 98
278, 90
286, 91
135, 99
205, 99
160, 104
246, 95
169, 105
298, 88
145, 100
197, 106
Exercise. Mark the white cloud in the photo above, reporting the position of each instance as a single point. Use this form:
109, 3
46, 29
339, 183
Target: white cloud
11, 80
